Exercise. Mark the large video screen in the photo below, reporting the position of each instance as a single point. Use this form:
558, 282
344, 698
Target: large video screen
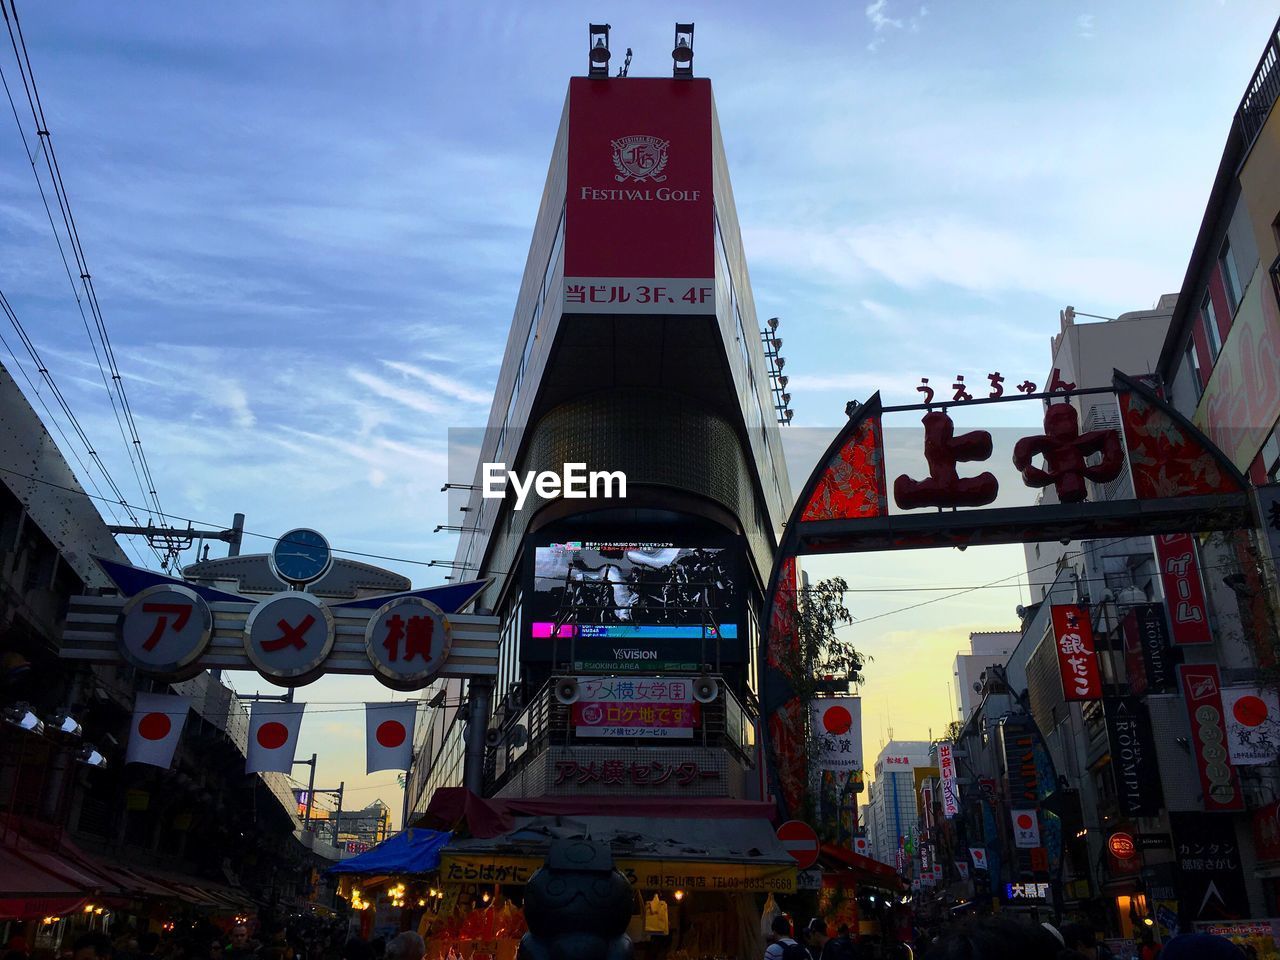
595, 593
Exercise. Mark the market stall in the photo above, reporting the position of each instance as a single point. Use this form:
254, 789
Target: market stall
697, 883
393, 886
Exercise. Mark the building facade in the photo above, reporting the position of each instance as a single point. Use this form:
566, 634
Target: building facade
892, 811
987, 649
635, 348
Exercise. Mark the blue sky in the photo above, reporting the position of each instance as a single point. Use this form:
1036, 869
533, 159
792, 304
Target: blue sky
307, 221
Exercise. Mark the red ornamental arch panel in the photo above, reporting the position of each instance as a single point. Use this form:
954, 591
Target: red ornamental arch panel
1181, 482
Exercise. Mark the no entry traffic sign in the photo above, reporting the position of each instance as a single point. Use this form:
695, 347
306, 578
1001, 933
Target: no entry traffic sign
800, 841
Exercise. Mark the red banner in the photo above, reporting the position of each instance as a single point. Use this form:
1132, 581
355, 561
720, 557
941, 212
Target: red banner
1077, 660
1266, 832
1183, 591
1202, 689
639, 204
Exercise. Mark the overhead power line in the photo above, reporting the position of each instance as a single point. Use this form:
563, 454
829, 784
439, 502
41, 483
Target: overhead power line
959, 590
114, 382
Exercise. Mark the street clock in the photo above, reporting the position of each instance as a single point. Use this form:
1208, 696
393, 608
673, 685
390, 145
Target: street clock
301, 556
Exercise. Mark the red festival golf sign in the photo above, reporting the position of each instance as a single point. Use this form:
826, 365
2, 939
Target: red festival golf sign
639, 212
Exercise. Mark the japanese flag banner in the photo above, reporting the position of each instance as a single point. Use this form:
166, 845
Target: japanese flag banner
388, 735
962, 869
1026, 829
979, 857
158, 720
1253, 724
273, 736
837, 725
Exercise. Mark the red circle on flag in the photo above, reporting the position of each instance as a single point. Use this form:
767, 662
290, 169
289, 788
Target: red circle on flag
1024, 821
799, 840
1250, 711
837, 720
390, 733
273, 735
154, 726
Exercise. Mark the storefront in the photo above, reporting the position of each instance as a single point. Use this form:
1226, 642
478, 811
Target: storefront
698, 884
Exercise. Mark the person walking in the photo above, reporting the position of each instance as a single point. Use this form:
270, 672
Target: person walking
839, 947
407, 946
783, 945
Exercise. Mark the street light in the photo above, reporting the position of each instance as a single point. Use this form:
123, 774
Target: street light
22, 716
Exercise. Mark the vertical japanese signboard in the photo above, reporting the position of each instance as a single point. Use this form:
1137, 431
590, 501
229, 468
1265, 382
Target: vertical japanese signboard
1210, 878
1183, 590
947, 774
639, 211
1202, 690
1077, 661
1149, 660
1133, 756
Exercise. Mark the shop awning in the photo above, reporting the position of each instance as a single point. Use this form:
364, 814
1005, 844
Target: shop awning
28, 893
863, 869
416, 850
722, 855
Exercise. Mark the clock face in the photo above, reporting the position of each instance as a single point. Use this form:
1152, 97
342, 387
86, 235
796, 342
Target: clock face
301, 556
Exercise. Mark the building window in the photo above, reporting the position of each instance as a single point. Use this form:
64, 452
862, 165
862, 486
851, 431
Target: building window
1211, 326
1230, 278
1193, 364
1271, 456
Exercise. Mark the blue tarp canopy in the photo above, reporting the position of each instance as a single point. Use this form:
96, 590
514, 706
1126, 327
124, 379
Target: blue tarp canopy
411, 851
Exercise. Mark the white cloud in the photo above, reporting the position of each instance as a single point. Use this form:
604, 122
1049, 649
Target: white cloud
880, 20
917, 254
446, 385
408, 398
1084, 25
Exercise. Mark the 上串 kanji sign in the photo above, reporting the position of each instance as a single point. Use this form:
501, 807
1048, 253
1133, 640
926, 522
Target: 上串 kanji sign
288, 636
408, 640
165, 629
1077, 661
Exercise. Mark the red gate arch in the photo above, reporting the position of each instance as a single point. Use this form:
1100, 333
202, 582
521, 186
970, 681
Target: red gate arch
1181, 481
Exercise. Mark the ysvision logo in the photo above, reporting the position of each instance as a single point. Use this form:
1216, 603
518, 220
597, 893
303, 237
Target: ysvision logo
573, 482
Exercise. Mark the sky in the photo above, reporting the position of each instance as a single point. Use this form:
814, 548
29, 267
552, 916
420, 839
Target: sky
306, 224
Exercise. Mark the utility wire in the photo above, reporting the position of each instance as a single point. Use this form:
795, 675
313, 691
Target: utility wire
31, 156
960, 591
133, 442
67, 412
67, 442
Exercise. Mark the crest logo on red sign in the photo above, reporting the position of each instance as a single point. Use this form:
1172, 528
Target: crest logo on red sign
640, 158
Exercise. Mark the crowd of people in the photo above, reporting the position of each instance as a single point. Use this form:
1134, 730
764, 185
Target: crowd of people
312, 940
989, 938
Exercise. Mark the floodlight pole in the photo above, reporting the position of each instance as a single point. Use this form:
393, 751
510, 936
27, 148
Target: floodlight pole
311, 789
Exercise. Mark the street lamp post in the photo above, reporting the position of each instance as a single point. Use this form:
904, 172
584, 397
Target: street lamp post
311, 788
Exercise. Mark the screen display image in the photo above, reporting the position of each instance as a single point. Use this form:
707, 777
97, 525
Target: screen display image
628, 590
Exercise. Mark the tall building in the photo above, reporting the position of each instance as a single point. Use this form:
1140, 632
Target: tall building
987, 648
1220, 362
892, 813
634, 349
1086, 353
